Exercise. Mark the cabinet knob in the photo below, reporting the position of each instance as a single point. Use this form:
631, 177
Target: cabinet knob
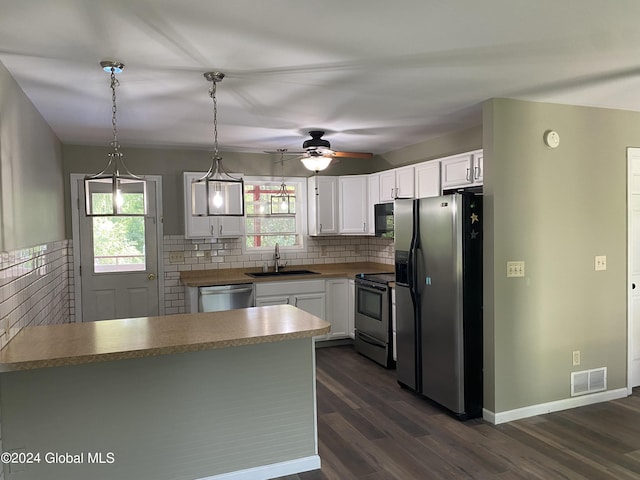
468, 177
221, 229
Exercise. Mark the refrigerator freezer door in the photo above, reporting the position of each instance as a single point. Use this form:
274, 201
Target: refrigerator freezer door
440, 280
406, 372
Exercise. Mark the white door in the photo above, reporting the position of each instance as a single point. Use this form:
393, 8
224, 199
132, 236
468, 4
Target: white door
119, 262
633, 211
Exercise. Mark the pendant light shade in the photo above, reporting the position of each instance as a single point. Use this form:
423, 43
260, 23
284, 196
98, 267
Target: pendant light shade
282, 202
217, 193
115, 191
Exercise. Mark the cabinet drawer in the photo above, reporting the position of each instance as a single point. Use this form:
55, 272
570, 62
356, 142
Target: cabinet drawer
289, 288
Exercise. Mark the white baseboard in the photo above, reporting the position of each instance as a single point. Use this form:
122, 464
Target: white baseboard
542, 408
274, 470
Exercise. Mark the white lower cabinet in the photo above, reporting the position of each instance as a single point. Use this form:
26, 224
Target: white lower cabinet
338, 307
308, 295
332, 300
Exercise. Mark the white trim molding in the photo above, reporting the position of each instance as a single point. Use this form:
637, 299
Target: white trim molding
265, 472
556, 406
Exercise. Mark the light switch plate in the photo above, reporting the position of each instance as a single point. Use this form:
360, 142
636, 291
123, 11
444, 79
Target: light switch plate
515, 269
176, 257
601, 262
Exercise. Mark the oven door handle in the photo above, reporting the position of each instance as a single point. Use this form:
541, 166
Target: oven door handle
368, 288
370, 340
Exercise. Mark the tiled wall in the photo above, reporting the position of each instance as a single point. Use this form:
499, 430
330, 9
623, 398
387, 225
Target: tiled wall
36, 288
209, 254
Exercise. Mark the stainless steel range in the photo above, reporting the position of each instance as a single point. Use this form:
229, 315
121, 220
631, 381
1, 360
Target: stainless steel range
373, 336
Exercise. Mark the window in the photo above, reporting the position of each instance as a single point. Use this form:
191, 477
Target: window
118, 242
271, 216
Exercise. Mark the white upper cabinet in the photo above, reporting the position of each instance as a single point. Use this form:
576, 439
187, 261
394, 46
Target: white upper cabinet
397, 183
427, 176
322, 193
203, 226
354, 204
462, 170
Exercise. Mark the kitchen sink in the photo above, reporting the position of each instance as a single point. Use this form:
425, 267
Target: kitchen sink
281, 273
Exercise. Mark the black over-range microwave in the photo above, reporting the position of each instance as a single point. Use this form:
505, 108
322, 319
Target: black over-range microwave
383, 219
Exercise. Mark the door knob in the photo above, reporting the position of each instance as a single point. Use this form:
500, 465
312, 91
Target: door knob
152, 276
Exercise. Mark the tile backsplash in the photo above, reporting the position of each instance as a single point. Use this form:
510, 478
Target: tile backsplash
36, 288
218, 253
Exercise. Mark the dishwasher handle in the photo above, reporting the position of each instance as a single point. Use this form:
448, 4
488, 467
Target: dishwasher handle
226, 289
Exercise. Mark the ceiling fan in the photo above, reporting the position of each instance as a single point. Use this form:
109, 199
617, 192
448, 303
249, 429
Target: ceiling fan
317, 153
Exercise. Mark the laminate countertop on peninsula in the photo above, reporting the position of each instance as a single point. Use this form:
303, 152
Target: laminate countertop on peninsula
230, 276
105, 340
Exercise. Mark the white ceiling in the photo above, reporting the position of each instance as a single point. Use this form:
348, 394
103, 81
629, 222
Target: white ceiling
376, 75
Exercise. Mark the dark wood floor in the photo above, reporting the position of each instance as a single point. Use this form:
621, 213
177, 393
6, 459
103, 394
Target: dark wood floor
369, 428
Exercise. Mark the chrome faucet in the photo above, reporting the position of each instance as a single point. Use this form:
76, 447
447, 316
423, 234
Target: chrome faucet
276, 260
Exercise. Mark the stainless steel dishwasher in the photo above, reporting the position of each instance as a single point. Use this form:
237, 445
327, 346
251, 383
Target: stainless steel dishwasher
225, 297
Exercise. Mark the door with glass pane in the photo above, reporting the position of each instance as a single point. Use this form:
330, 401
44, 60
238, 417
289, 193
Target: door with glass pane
119, 261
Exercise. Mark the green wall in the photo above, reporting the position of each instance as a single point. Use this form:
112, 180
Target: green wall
437, 147
31, 193
556, 209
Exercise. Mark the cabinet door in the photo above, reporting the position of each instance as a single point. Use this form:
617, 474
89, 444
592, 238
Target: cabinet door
338, 307
266, 301
353, 201
373, 192
230, 226
322, 207
405, 182
478, 165
427, 179
387, 186
457, 171
311, 302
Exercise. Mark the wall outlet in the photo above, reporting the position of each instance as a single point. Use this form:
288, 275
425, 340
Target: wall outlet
6, 325
176, 257
515, 269
356, 249
601, 262
323, 250
576, 358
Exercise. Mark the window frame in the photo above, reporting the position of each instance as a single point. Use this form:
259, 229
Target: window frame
300, 215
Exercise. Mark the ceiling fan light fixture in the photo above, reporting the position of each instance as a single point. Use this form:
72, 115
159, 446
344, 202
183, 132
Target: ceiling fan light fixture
115, 191
217, 193
316, 163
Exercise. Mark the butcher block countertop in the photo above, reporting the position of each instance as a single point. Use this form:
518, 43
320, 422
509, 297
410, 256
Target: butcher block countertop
80, 343
204, 278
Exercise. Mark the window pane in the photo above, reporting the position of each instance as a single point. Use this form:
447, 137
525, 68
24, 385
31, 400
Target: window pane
118, 244
271, 225
267, 225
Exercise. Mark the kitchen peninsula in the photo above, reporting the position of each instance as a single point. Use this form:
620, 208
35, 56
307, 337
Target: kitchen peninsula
180, 397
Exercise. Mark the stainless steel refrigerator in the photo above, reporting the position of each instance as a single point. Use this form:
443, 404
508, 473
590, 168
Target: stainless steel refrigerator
438, 249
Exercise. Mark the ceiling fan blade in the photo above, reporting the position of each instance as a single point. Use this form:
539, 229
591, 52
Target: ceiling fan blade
352, 154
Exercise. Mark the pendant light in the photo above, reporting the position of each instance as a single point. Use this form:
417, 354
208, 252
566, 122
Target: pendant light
115, 190
217, 193
281, 203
